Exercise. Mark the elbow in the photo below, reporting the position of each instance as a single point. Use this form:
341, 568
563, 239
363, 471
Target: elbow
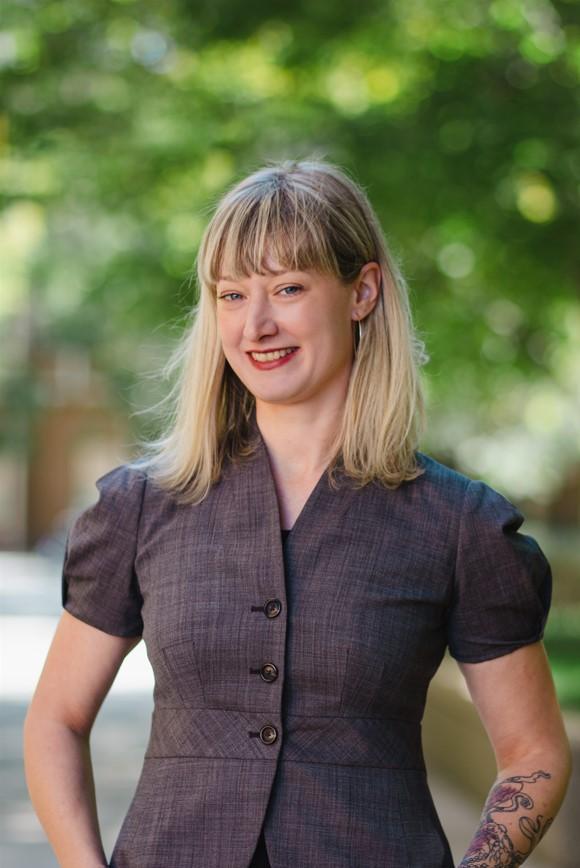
560, 759
32, 724
43, 724
36, 726
567, 759
553, 756
33, 739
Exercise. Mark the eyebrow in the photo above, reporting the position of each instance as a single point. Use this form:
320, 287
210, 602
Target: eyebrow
273, 272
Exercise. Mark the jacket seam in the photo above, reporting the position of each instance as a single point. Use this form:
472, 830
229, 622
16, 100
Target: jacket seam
138, 530
138, 533
453, 592
288, 713
460, 534
276, 758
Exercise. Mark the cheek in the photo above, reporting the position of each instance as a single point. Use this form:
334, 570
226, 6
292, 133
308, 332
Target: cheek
332, 332
230, 339
227, 333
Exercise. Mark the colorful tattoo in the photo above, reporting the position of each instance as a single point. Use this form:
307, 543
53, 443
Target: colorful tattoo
492, 846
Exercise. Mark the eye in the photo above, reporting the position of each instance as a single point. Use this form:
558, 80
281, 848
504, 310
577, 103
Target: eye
228, 296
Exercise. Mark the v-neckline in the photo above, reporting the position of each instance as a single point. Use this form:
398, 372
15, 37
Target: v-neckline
314, 492
249, 512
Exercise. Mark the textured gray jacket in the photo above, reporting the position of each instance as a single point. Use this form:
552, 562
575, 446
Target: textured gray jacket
291, 692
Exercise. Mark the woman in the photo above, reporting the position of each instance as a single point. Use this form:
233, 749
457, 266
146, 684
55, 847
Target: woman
291, 674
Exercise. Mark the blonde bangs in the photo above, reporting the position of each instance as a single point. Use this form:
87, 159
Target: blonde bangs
285, 223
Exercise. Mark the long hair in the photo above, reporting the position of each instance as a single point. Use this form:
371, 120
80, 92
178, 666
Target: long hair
306, 214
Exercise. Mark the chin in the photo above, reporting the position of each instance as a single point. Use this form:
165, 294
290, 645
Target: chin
277, 397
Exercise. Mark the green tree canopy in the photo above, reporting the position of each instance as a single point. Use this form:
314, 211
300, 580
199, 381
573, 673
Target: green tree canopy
125, 121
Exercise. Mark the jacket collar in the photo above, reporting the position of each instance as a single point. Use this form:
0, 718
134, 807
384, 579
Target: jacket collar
253, 509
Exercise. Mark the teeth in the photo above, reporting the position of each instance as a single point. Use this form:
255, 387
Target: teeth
269, 357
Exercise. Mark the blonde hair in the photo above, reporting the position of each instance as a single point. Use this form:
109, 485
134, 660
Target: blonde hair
306, 214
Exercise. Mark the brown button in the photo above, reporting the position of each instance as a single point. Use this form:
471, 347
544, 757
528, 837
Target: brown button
268, 734
269, 672
272, 608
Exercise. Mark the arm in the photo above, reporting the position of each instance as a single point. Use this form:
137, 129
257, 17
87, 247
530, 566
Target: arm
516, 701
79, 670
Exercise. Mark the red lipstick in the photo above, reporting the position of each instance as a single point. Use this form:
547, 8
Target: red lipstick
275, 363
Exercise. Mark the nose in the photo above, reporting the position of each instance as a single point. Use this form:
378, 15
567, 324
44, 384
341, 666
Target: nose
259, 321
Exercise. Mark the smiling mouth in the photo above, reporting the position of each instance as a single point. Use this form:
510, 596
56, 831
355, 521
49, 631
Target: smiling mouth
272, 355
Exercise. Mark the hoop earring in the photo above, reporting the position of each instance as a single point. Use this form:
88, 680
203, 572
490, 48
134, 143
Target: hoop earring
357, 335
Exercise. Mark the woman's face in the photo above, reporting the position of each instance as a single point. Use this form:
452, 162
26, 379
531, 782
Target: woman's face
304, 312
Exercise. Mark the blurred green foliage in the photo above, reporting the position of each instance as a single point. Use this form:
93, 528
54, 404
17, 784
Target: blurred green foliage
124, 122
562, 642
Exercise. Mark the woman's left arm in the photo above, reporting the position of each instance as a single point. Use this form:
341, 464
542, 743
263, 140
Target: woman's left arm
516, 701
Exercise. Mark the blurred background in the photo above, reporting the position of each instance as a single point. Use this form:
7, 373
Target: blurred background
122, 123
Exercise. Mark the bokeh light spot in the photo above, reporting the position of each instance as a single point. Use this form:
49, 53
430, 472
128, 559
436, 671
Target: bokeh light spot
535, 198
456, 260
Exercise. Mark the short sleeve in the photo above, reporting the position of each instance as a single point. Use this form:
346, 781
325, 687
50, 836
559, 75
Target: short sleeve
99, 584
503, 581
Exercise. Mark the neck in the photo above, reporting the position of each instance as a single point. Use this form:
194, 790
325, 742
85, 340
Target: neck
298, 437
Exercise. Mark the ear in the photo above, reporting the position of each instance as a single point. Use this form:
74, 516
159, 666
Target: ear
366, 290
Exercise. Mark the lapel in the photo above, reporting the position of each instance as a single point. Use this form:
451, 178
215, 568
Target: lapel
249, 505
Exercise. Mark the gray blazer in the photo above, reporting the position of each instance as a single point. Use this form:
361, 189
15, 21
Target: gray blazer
289, 691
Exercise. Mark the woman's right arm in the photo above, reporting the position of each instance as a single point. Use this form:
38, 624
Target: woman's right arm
80, 668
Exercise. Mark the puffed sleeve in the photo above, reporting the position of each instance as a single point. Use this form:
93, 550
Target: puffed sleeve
503, 581
99, 584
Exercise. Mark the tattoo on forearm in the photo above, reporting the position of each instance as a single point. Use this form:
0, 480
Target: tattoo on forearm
492, 846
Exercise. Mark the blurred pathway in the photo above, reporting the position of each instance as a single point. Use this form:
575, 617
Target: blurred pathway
29, 610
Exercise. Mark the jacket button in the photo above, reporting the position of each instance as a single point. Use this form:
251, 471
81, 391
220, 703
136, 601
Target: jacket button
272, 608
269, 672
268, 734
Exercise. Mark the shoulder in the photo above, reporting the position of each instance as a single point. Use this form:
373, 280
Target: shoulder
439, 481
125, 481
462, 493
111, 519
119, 500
